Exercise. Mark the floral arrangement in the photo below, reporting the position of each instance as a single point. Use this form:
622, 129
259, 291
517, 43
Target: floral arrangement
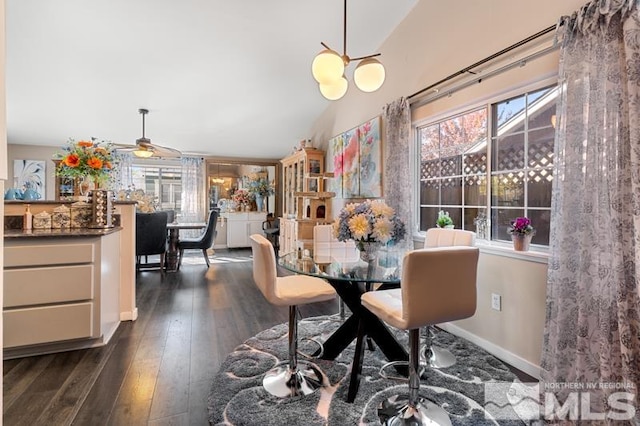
261, 186
242, 196
369, 221
85, 158
521, 226
444, 219
146, 203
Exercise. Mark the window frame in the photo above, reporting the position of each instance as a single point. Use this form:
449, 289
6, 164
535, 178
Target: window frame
162, 166
539, 252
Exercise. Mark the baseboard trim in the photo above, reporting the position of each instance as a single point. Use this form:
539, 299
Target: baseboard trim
129, 315
495, 350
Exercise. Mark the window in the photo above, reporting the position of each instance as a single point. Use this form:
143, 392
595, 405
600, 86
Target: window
162, 181
453, 169
455, 154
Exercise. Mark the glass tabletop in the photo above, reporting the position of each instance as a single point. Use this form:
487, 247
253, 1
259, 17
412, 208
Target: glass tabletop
386, 268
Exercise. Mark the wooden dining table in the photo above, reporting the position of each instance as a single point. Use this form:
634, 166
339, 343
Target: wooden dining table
174, 237
351, 278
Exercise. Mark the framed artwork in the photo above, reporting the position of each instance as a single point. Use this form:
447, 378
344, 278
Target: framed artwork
30, 174
357, 161
335, 154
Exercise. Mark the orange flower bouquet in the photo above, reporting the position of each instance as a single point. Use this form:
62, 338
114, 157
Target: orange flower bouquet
85, 158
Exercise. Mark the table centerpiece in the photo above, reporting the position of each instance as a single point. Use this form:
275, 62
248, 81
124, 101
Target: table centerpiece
371, 224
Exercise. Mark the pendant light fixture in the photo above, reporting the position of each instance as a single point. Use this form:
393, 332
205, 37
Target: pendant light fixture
328, 70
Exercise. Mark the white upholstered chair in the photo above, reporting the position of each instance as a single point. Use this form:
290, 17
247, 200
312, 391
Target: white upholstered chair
440, 237
435, 356
326, 247
290, 378
437, 285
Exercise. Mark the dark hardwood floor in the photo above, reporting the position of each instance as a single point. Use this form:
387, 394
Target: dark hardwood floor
158, 369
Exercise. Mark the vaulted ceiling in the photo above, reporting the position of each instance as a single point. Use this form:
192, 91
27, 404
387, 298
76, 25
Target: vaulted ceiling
225, 78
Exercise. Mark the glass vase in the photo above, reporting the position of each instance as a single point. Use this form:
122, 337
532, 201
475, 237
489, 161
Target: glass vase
368, 250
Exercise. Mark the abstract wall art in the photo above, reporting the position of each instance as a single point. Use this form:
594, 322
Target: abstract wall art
29, 174
357, 161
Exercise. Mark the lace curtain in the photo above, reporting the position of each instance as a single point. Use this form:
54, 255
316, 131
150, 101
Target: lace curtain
121, 177
593, 307
397, 176
193, 207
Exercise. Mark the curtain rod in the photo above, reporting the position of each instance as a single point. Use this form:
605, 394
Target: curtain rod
485, 60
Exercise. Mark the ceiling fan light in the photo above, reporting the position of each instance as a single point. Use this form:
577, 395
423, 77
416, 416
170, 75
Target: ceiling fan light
369, 75
335, 90
327, 67
143, 153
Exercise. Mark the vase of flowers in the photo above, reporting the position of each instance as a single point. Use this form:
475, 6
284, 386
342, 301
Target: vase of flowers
371, 224
260, 188
242, 198
85, 162
521, 233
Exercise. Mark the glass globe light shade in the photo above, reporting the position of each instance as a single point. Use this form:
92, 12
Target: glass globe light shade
143, 153
327, 67
335, 90
369, 75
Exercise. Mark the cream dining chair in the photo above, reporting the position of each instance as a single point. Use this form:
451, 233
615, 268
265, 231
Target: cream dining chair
289, 378
435, 356
423, 300
326, 247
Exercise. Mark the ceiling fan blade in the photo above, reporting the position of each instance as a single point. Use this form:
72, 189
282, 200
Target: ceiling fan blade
159, 150
124, 147
165, 152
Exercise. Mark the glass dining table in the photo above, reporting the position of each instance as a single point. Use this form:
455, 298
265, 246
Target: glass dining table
351, 277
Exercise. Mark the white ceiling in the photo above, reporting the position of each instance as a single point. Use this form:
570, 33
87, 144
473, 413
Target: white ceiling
220, 77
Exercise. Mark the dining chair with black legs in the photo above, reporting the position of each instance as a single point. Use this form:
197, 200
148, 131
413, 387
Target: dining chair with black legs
438, 285
433, 355
203, 242
151, 238
291, 378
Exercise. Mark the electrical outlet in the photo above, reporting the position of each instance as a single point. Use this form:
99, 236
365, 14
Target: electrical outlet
496, 302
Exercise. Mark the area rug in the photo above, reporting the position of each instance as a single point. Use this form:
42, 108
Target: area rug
237, 397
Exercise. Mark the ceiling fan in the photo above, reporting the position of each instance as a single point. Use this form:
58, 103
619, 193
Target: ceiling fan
145, 149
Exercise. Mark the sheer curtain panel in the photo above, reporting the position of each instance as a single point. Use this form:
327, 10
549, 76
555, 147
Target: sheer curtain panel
397, 174
591, 343
193, 205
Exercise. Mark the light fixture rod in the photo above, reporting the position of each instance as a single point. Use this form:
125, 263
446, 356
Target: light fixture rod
366, 57
143, 112
344, 40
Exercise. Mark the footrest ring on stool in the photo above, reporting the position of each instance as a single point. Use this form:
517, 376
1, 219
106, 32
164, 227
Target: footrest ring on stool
384, 375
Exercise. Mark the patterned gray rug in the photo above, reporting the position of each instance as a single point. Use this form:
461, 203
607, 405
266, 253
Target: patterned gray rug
237, 397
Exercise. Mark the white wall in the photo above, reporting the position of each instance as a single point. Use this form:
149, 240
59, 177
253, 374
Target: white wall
436, 40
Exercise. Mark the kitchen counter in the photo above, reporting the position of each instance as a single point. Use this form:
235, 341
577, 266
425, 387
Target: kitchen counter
59, 233
61, 290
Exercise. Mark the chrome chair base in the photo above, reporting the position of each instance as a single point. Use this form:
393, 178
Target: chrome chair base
436, 357
396, 411
283, 382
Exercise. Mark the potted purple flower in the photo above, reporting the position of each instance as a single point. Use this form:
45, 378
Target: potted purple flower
521, 233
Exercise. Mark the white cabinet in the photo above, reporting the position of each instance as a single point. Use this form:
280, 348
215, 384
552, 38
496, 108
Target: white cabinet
241, 225
60, 293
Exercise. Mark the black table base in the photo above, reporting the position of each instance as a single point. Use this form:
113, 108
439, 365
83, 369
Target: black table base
358, 326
